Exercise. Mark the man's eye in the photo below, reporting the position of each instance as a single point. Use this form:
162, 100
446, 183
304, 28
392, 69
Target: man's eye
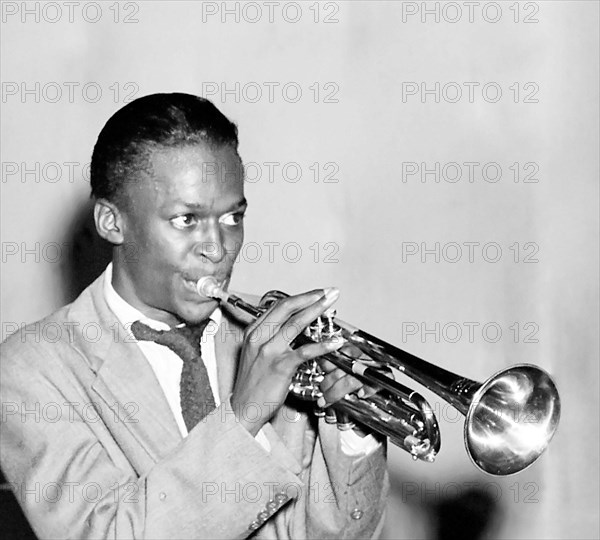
232, 219
184, 222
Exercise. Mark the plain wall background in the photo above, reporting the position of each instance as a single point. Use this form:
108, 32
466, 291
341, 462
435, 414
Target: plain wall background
361, 222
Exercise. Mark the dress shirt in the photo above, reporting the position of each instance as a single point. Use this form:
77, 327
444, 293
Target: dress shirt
167, 366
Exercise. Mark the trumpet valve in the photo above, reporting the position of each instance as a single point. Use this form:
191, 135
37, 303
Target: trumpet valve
330, 328
330, 416
419, 448
343, 422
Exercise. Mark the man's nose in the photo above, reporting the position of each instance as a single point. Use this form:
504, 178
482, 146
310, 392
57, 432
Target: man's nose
210, 243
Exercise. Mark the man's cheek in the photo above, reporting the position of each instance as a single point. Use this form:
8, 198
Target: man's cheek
235, 244
233, 252
168, 255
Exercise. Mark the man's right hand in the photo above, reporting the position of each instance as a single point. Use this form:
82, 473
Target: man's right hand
268, 363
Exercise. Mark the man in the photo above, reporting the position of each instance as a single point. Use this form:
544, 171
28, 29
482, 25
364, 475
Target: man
136, 433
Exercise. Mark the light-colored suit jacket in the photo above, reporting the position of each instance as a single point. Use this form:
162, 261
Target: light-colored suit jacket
92, 449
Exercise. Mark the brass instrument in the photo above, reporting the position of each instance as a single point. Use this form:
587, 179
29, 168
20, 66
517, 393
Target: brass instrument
510, 418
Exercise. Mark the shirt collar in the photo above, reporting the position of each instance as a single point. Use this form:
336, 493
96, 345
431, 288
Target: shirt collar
127, 314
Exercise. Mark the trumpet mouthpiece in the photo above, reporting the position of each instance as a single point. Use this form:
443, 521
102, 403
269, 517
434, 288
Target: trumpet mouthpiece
209, 287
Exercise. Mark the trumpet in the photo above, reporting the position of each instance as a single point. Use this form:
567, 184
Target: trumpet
509, 419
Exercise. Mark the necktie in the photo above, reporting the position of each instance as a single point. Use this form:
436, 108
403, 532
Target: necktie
195, 393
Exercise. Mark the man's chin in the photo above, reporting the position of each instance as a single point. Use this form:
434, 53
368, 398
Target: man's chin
197, 312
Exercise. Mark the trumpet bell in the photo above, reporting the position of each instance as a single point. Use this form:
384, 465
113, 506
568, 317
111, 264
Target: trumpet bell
512, 419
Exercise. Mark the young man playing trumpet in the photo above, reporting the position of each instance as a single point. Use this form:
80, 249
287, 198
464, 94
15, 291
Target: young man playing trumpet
174, 422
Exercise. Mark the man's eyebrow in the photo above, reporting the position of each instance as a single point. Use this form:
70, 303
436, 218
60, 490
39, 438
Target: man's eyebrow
243, 203
199, 206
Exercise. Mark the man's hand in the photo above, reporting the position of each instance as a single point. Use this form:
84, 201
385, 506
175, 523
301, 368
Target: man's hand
337, 383
268, 363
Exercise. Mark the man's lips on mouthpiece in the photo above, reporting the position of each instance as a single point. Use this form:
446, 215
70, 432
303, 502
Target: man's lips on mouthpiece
192, 281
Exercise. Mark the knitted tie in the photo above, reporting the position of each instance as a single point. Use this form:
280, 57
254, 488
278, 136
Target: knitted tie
195, 393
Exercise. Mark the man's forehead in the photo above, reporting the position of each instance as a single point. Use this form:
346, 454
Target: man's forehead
192, 175
188, 163
198, 156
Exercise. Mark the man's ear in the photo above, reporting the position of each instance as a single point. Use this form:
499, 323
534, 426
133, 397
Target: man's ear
109, 222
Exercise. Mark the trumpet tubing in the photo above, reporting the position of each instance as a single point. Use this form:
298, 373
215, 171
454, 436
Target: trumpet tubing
510, 418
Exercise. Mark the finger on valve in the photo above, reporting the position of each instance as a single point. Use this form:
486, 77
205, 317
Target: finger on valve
343, 421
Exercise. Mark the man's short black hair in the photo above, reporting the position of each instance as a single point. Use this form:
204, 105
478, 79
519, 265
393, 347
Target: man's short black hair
147, 124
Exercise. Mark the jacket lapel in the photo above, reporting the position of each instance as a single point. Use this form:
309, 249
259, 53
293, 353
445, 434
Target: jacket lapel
124, 380
128, 385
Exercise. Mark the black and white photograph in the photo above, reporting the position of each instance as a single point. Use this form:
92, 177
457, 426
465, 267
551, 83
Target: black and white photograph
300, 270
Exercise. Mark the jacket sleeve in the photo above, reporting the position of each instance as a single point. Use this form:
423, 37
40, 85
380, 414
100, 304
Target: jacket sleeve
352, 504
335, 495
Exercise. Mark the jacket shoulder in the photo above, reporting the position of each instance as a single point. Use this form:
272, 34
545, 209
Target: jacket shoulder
54, 335
43, 345
38, 335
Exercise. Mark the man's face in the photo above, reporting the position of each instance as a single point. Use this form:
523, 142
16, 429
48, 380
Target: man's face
184, 221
